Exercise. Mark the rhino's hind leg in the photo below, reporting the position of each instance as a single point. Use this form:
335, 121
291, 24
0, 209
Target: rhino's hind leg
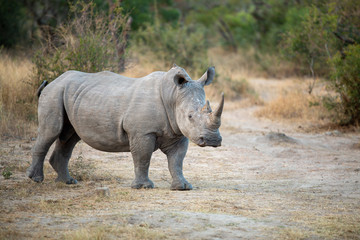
39, 151
47, 133
141, 151
60, 157
51, 122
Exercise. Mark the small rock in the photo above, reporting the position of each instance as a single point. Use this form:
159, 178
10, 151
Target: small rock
277, 138
335, 133
355, 146
102, 191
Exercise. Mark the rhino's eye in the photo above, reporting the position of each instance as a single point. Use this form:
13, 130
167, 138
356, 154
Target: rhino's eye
190, 116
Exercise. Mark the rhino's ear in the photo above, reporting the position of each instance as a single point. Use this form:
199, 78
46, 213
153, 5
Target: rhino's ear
180, 79
208, 76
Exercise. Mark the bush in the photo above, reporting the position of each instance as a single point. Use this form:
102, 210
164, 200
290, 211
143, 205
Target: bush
309, 41
326, 40
90, 42
12, 17
184, 45
7, 173
345, 80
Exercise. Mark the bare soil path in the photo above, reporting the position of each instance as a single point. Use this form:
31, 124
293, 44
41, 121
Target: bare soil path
268, 181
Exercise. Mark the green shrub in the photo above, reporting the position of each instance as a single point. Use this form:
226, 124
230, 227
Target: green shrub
345, 80
6, 173
89, 42
184, 45
309, 41
12, 17
326, 42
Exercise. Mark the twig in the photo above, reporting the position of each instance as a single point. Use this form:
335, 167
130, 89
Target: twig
311, 86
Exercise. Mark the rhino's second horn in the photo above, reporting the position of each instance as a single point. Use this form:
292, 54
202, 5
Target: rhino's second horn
207, 108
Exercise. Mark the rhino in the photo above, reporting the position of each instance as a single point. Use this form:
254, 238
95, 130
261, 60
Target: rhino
114, 113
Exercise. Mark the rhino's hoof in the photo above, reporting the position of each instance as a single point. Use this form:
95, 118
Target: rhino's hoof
34, 176
68, 181
181, 186
138, 185
37, 178
72, 181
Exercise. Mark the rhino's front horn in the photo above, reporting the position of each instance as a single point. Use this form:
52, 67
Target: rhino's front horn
216, 115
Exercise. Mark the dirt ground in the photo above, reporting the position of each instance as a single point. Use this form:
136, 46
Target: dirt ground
269, 180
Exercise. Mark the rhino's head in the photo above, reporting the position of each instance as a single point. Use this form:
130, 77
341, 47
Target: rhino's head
194, 116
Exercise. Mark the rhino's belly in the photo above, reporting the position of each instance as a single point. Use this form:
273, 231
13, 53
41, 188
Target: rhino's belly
105, 143
104, 137
108, 147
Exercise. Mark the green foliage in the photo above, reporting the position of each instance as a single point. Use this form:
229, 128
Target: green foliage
140, 10
143, 12
249, 24
24, 22
171, 15
345, 79
184, 45
11, 16
244, 23
243, 26
308, 42
6, 173
326, 42
89, 42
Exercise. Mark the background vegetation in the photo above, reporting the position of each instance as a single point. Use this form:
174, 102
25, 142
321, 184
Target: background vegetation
276, 38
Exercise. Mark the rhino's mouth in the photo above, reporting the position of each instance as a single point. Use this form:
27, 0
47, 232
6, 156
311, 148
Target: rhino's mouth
203, 142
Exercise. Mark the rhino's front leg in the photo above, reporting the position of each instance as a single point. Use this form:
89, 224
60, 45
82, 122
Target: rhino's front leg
175, 155
141, 150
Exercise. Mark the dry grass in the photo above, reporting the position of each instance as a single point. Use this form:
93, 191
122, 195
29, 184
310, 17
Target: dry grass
248, 63
115, 232
296, 105
232, 70
10, 234
139, 65
233, 65
323, 227
17, 96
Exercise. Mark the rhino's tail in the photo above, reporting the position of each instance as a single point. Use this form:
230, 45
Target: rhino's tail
42, 86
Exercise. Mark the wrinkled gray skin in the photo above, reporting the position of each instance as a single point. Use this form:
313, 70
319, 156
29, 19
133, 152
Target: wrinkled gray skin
114, 113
